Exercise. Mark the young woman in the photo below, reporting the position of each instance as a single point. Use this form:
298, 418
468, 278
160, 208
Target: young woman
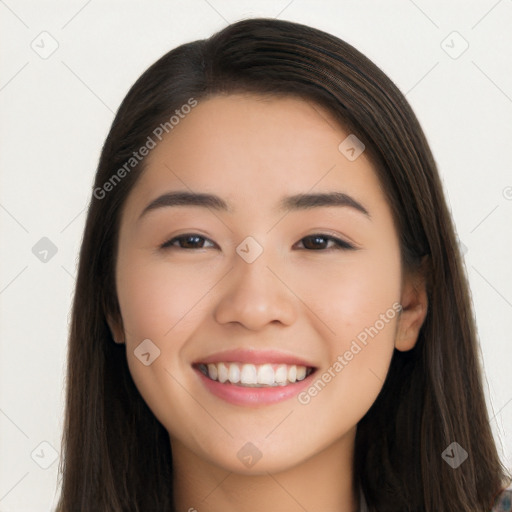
271, 312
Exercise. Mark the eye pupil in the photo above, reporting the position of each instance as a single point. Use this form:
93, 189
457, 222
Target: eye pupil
191, 240
317, 240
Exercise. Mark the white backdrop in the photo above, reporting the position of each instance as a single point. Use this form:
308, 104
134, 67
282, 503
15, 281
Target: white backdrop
65, 67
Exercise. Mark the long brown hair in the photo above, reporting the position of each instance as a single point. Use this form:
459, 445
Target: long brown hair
117, 456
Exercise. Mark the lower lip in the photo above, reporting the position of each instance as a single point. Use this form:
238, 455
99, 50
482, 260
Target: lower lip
239, 395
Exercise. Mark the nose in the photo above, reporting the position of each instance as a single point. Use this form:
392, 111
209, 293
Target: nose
256, 294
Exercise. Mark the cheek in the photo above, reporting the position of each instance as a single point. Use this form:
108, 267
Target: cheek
357, 302
350, 293
159, 299
160, 302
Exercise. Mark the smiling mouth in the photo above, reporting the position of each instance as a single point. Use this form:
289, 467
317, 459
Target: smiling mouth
255, 375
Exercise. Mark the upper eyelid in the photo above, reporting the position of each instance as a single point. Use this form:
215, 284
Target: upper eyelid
184, 235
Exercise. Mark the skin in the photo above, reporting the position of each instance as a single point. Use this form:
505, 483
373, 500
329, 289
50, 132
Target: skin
192, 303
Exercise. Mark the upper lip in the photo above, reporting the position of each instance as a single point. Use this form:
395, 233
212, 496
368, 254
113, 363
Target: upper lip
248, 356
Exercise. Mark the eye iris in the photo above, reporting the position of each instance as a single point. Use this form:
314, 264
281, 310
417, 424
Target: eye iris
190, 241
316, 240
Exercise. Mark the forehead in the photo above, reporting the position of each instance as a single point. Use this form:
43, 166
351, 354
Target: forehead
253, 149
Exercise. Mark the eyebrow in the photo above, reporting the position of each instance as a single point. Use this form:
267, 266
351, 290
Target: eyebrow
295, 202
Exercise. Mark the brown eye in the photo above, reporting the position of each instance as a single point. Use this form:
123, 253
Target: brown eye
188, 241
319, 242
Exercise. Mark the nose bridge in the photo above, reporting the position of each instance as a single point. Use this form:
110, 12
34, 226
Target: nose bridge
254, 295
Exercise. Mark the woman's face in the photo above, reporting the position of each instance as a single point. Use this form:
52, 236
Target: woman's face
253, 285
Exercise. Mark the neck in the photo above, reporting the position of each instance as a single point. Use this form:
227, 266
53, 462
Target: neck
322, 482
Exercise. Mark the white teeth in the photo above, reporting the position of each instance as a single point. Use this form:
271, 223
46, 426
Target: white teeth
251, 375
222, 371
234, 373
301, 372
281, 374
266, 375
212, 371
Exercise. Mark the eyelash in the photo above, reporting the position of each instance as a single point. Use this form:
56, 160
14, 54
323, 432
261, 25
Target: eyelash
339, 244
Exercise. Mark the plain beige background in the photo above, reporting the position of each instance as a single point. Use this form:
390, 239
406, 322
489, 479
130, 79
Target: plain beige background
66, 66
